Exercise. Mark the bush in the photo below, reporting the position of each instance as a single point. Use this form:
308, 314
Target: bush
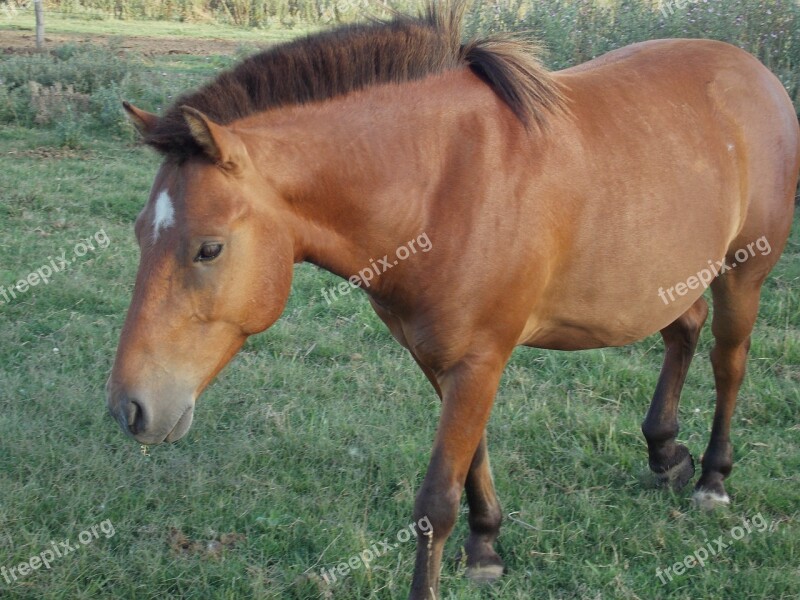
574, 31
45, 89
75, 79
71, 130
85, 67
73, 88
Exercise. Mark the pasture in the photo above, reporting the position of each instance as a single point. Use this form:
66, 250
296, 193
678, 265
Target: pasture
309, 448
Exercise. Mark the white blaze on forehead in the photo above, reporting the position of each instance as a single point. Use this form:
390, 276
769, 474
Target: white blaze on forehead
163, 215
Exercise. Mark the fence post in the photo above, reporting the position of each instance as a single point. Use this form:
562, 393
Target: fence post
37, 6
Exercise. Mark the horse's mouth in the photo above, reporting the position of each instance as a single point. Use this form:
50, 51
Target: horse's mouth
182, 426
179, 429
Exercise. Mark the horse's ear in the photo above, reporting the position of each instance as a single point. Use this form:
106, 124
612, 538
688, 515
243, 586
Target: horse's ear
144, 121
218, 142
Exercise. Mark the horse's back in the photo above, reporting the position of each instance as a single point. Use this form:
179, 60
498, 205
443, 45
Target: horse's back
697, 79
677, 153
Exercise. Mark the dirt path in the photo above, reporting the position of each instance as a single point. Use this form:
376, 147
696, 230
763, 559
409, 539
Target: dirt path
12, 42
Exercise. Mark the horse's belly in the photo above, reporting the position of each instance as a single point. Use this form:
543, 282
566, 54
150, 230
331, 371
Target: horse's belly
598, 304
639, 255
605, 329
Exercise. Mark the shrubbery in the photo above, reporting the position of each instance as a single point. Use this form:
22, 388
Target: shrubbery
78, 88
71, 82
574, 31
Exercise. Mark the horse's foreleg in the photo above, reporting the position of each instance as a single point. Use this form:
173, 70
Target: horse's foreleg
485, 516
468, 392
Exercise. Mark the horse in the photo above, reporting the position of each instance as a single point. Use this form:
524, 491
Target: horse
569, 210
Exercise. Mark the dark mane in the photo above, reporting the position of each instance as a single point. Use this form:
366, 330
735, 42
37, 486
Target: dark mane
354, 57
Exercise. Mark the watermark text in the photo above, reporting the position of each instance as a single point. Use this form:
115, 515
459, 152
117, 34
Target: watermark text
54, 265
715, 268
377, 268
715, 547
375, 551
56, 551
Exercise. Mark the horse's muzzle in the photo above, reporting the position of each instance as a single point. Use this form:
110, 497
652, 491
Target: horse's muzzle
146, 421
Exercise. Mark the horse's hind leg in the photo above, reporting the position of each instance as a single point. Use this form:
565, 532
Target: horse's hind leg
736, 300
671, 462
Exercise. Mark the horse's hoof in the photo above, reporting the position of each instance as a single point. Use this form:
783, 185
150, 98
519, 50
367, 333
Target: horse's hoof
680, 475
482, 564
708, 500
484, 574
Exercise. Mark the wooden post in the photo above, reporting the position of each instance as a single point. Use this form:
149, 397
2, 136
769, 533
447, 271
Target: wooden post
37, 7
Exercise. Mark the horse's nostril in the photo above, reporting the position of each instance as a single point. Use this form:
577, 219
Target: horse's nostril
135, 417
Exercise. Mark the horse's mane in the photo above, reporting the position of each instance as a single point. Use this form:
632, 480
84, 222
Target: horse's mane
354, 57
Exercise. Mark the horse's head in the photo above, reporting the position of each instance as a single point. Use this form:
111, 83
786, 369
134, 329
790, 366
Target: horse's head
215, 267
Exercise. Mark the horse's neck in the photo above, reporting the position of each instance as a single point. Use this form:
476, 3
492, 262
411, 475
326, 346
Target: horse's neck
358, 187
363, 174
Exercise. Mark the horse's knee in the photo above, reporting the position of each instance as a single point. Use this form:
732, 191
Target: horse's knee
440, 507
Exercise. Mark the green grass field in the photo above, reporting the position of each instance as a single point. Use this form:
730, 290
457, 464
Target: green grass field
311, 445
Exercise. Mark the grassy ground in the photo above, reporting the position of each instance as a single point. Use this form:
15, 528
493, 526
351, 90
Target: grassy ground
311, 445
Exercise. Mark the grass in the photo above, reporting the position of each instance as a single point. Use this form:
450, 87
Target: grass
311, 445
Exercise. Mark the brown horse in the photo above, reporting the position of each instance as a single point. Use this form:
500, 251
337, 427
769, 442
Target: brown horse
572, 210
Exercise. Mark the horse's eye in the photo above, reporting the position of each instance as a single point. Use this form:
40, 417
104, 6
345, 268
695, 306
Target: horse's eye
208, 252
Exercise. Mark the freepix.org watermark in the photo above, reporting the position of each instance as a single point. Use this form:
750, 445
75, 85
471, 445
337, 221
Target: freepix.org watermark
375, 551
56, 551
668, 6
715, 547
715, 269
377, 268
54, 265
